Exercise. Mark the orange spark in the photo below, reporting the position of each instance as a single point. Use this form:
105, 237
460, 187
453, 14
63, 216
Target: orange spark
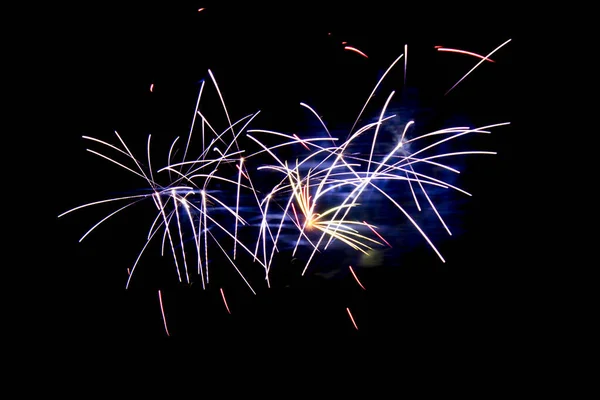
151, 87
356, 277
352, 318
356, 51
200, 9
225, 301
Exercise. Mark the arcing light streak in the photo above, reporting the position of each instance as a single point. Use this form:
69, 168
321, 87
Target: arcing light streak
439, 48
351, 318
162, 310
356, 277
356, 51
472, 69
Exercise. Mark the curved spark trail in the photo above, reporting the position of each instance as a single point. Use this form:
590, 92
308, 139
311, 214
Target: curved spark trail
354, 49
351, 318
356, 277
225, 301
470, 53
162, 311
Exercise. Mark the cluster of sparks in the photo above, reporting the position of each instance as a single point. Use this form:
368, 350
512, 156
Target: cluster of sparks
193, 218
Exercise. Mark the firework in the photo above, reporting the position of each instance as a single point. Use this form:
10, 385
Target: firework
210, 201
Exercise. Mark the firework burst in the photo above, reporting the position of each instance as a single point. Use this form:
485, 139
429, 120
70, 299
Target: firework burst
210, 200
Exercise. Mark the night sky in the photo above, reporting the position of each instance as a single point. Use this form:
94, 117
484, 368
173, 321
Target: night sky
271, 59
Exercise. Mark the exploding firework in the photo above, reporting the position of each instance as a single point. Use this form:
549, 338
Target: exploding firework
213, 200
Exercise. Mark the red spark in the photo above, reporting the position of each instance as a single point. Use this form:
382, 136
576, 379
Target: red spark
301, 142
225, 301
378, 235
356, 277
352, 318
245, 176
356, 51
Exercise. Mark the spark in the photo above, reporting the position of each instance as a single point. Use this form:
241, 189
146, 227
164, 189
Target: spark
295, 214
237, 204
222, 103
149, 161
115, 162
225, 301
412, 221
470, 53
377, 233
187, 277
374, 90
301, 142
197, 236
102, 202
162, 310
318, 117
194, 118
204, 213
377, 130
356, 51
405, 61
104, 219
356, 277
479, 63
242, 172
351, 318
168, 232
